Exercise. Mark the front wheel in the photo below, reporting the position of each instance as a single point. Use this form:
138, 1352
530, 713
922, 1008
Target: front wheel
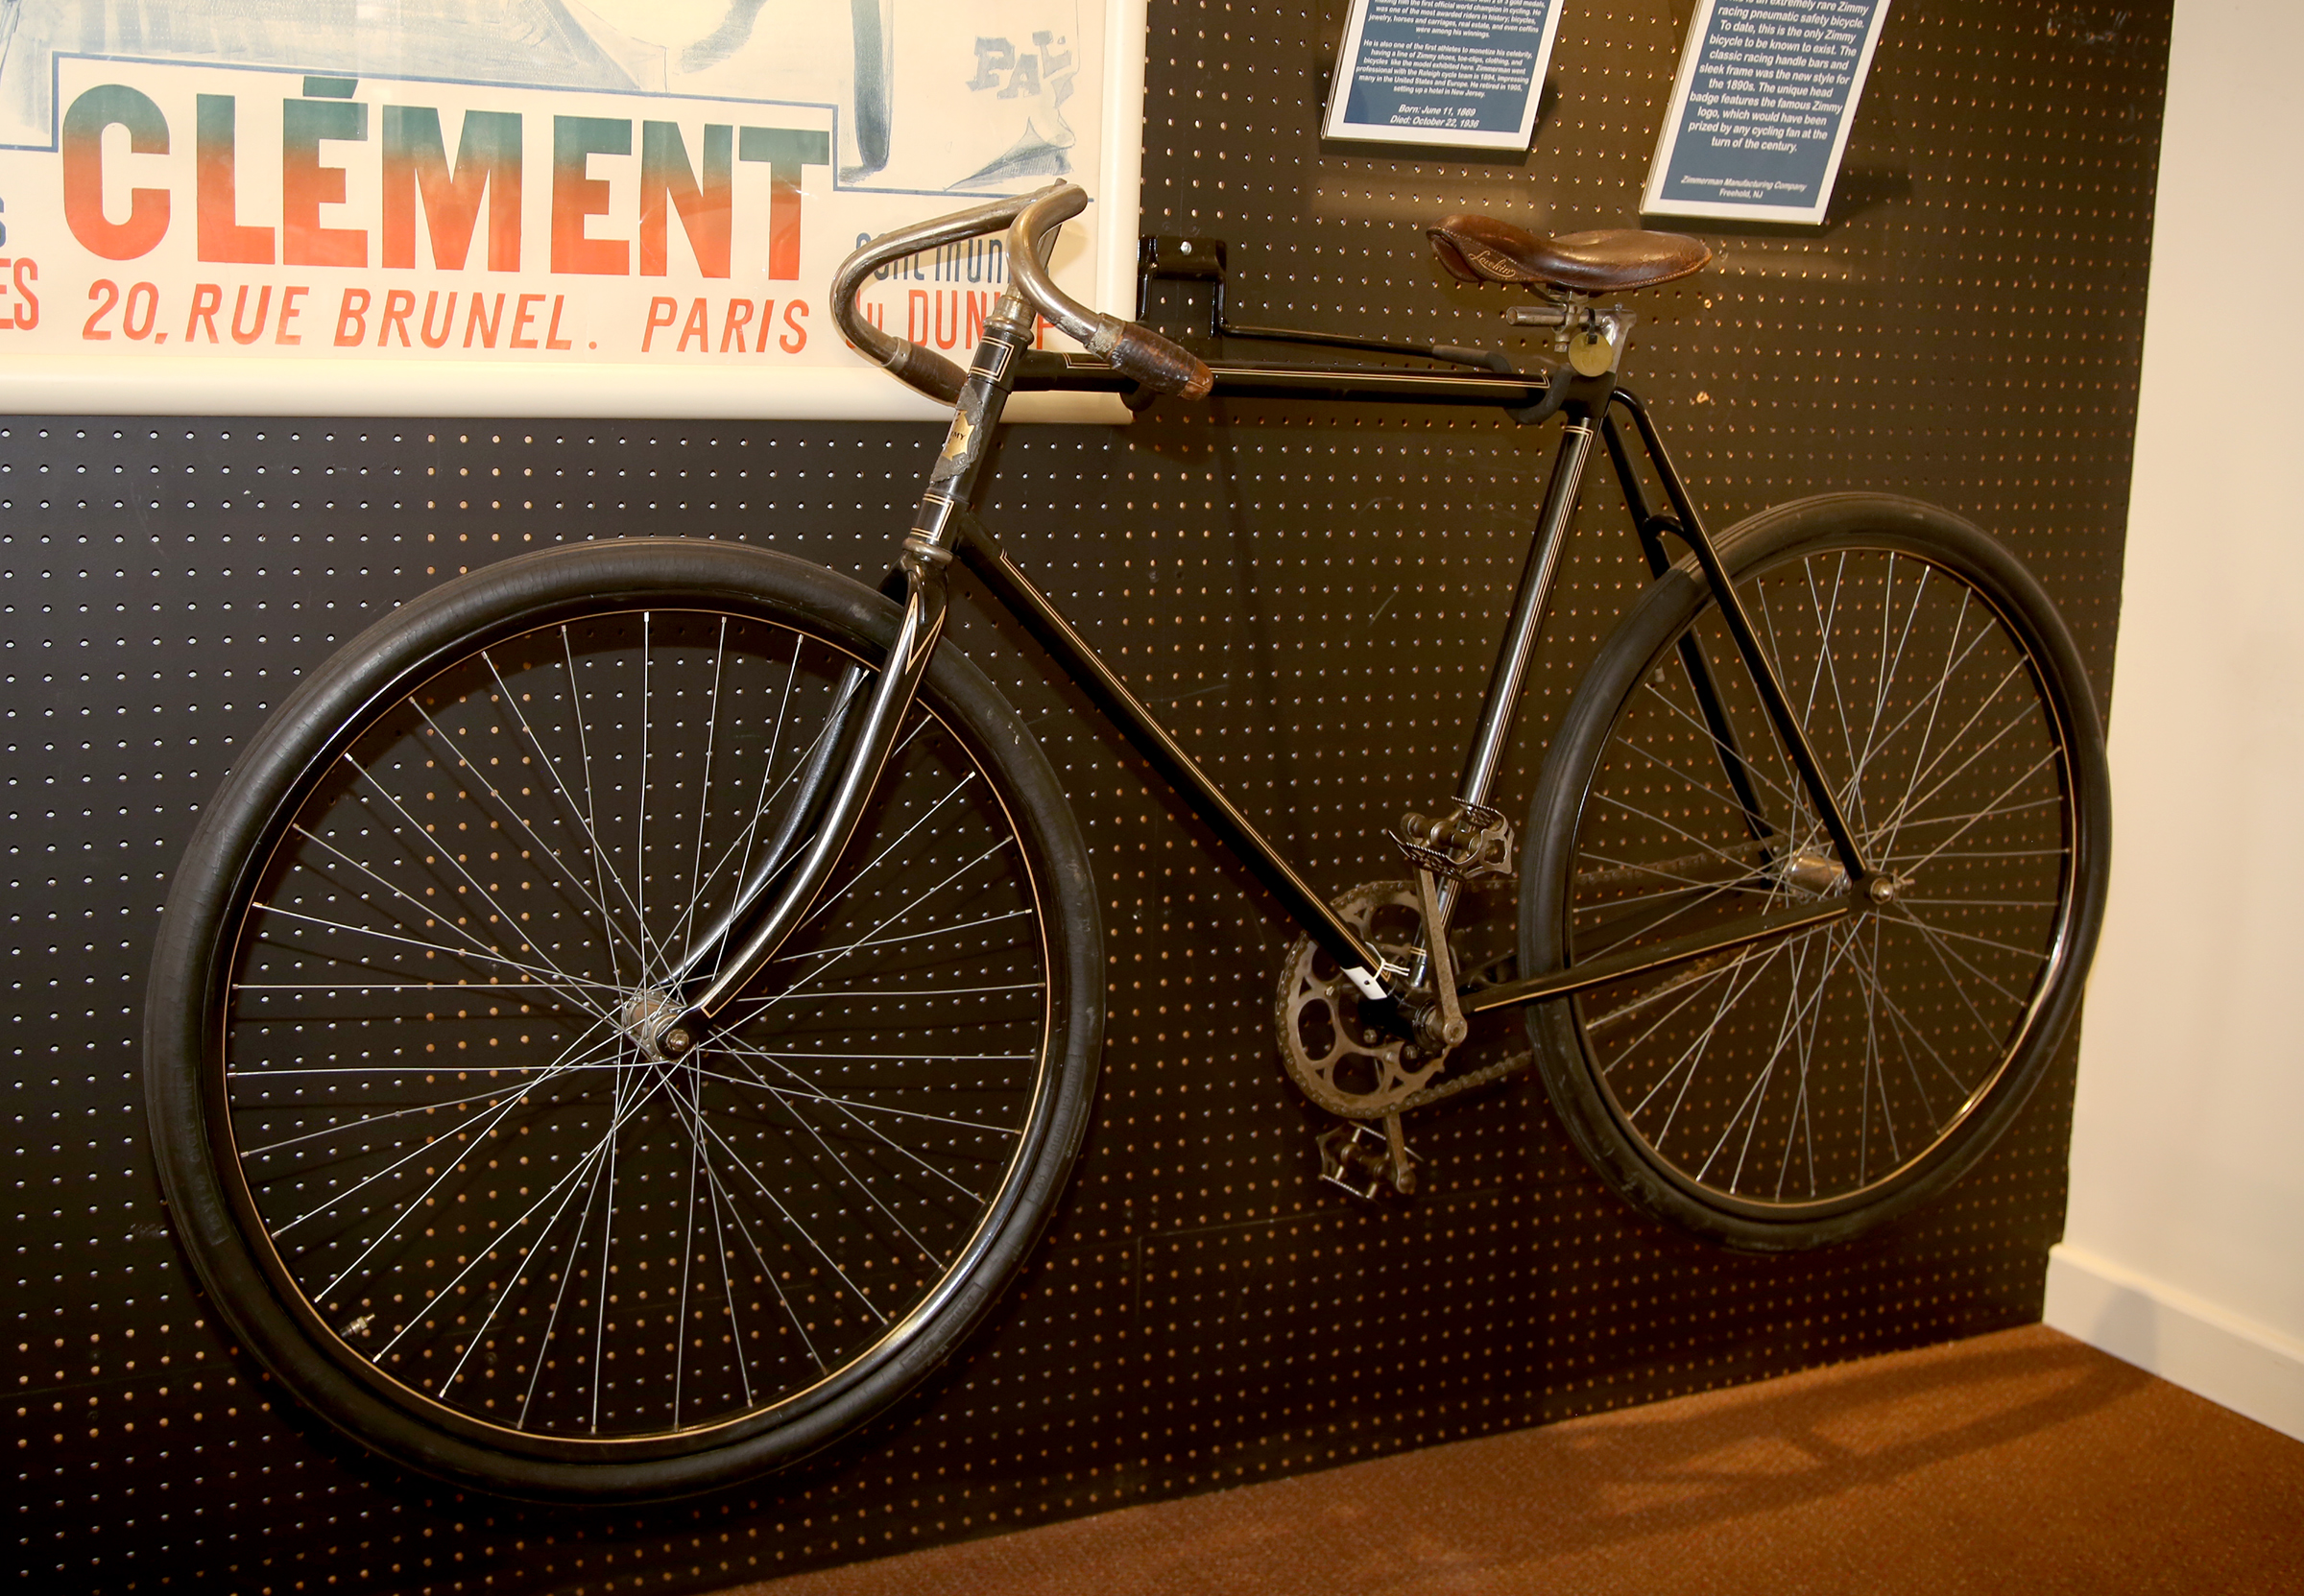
411, 1116
1794, 1092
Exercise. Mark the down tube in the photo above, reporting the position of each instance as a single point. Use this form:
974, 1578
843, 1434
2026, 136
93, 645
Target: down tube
1017, 593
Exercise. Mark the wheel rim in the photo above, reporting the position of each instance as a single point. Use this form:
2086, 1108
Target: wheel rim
456, 1153
1807, 1077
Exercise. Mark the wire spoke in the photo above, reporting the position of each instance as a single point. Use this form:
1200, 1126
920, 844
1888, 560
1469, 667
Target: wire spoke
547, 979
447, 1004
497, 795
1787, 792
748, 1053
1804, 1069
527, 1087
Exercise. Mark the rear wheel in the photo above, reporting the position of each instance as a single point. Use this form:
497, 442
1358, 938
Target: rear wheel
1797, 1091
417, 1139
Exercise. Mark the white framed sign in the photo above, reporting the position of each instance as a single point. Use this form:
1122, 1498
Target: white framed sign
1762, 107
1467, 73
622, 208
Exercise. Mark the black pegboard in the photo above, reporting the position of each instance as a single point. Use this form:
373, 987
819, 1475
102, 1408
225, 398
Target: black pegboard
1310, 592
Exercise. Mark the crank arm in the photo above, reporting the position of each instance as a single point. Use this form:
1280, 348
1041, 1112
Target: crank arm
1444, 1028
1746, 932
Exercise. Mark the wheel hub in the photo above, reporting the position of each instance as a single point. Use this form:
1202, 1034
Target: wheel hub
1814, 875
649, 1018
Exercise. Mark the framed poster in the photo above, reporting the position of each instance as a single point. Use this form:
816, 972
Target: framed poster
614, 207
1467, 73
1761, 109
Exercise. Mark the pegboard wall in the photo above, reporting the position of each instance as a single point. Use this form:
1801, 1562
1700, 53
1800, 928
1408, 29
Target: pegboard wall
1311, 592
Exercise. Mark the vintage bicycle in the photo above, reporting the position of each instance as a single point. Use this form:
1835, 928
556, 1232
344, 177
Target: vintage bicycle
628, 1014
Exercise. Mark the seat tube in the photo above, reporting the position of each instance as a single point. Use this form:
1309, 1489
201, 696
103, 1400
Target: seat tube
1501, 702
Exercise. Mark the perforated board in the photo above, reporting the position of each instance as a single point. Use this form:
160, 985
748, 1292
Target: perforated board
1310, 592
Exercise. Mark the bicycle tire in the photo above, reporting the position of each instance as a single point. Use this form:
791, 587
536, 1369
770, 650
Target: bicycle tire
635, 1278
1797, 1092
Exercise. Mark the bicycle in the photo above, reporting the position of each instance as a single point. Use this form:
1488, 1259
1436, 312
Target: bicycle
626, 1016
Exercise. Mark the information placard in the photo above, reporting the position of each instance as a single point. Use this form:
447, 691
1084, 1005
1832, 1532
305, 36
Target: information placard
1760, 111
1467, 73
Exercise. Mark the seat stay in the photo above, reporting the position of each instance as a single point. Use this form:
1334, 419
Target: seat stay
1766, 683
1651, 529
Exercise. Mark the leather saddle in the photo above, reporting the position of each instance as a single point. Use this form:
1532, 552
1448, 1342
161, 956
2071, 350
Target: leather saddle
1614, 260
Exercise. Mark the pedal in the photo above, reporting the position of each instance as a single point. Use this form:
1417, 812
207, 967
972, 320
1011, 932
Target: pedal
1469, 841
1366, 1164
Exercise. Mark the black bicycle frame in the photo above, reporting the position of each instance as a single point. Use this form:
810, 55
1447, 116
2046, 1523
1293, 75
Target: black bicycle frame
946, 527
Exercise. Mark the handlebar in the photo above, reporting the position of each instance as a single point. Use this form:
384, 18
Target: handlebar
1137, 352
923, 368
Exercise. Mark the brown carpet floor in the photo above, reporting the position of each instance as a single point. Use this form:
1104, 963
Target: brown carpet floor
2023, 1462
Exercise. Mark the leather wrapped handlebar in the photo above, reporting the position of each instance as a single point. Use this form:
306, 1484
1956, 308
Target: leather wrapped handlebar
1157, 364
1135, 351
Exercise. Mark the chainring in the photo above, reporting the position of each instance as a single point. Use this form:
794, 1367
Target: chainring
1323, 1044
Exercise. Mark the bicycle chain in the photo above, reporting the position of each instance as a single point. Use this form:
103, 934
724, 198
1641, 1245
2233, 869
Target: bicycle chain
1485, 1075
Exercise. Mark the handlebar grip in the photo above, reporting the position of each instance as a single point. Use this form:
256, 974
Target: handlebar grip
1160, 365
927, 371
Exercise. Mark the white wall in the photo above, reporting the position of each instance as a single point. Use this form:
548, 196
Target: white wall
2184, 1246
